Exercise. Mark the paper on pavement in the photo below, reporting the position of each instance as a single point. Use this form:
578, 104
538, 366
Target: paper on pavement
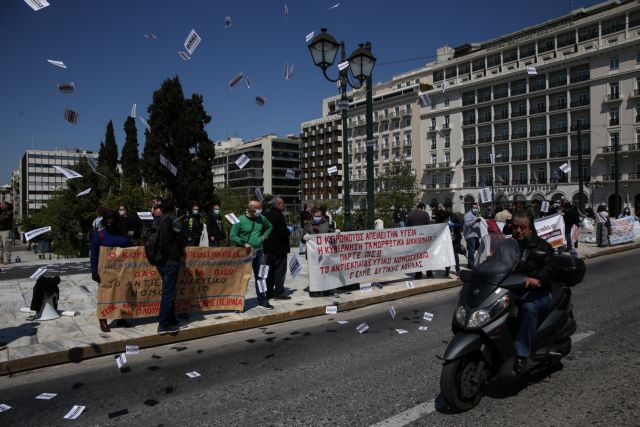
331, 309
362, 328
132, 349
193, 374
39, 272
74, 412
46, 396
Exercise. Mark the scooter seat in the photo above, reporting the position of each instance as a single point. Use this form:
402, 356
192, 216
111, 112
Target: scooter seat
558, 293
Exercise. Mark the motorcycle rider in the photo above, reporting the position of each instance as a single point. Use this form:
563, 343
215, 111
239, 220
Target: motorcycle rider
536, 267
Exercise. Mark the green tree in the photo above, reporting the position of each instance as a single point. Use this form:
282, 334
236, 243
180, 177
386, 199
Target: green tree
130, 159
399, 187
108, 160
177, 133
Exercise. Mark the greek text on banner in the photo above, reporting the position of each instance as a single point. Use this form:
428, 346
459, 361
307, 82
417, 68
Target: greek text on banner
337, 260
209, 279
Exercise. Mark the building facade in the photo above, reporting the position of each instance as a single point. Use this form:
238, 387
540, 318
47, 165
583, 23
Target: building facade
508, 113
36, 180
270, 159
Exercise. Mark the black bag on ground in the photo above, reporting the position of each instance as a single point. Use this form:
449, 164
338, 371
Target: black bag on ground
45, 285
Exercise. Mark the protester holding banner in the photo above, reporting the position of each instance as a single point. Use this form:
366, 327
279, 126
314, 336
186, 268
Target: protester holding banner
195, 224
130, 223
111, 235
571, 219
625, 212
603, 226
472, 233
251, 231
455, 227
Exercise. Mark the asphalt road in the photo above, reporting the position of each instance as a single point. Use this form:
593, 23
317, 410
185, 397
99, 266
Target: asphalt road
17, 271
319, 372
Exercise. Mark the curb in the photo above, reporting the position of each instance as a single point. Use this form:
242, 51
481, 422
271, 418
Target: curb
77, 354
613, 250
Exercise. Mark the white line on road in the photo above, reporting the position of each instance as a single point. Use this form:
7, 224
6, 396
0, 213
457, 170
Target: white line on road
576, 338
408, 416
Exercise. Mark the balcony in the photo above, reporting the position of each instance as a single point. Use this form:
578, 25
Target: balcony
428, 186
519, 182
468, 141
519, 158
538, 181
633, 147
500, 95
433, 146
486, 161
518, 113
510, 58
580, 103
432, 128
518, 135
609, 149
470, 184
608, 177
559, 129
469, 122
569, 41
446, 126
501, 116
613, 28
555, 154
538, 156
633, 176
538, 132
502, 158
443, 165
558, 106
557, 82
612, 97
501, 137
484, 139
430, 166
537, 110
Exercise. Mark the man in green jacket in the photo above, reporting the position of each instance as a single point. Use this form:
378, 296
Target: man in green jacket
250, 232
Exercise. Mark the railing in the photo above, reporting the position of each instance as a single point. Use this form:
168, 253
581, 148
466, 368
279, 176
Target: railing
585, 178
518, 113
446, 126
585, 152
444, 164
537, 87
484, 98
500, 95
560, 129
538, 156
538, 132
518, 90
583, 126
509, 59
614, 122
468, 122
470, 184
470, 141
537, 110
501, 116
484, 139
484, 161
558, 82
519, 182
612, 28
566, 42
484, 119
580, 103
432, 128
469, 162
430, 166
576, 78
558, 106
633, 176
633, 147
519, 157
558, 154
518, 135
468, 101
501, 137
608, 177
612, 97
502, 159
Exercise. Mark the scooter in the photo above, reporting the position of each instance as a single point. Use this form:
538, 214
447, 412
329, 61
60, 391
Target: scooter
485, 321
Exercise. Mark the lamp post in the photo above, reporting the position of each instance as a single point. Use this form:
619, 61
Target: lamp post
324, 49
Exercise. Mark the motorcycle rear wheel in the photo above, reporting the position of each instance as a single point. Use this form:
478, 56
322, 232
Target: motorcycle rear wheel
458, 386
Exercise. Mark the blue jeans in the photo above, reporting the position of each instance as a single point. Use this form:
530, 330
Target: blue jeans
169, 274
567, 235
258, 260
533, 305
277, 273
471, 249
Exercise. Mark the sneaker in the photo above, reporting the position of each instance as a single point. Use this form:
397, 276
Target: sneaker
173, 328
282, 296
162, 330
122, 323
520, 365
267, 306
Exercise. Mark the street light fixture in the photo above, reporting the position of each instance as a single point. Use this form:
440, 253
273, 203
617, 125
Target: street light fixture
324, 49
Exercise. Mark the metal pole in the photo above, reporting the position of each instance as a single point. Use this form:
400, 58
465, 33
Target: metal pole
370, 187
346, 200
580, 174
615, 177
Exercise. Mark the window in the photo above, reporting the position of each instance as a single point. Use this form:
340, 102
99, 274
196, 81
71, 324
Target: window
541, 148
385, 128
434, 159
434, 103
446, 120
540, 126
614, 90
504, 132
522, 108
433, 142
614, 63
540, 105
447, 141
542, 174
522, 151
433, 123
446, 100
612, 168
447, 157
614, 138
561, 122
433, 179
486, 133
614, 117
407, 139
447, 179
638, 136
523, 175
583, 97
638, 57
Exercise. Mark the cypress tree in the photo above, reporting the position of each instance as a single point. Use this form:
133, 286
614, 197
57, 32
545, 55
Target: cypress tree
108, 159
130, 161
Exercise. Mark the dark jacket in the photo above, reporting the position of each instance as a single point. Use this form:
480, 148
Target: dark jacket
171, 238
571, 217
215, 229
193, 227
418, 217
455, 227
103, 238
277, 243
131, 223
6, 220
535, 260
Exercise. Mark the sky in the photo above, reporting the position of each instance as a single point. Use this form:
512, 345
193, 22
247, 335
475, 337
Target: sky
113, 65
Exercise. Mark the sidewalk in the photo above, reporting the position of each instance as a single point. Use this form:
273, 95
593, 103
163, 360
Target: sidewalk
26, 345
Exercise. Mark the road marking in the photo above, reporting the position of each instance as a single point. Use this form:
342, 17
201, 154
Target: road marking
576, 338
408, 416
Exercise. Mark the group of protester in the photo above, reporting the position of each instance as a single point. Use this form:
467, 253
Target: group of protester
267, 235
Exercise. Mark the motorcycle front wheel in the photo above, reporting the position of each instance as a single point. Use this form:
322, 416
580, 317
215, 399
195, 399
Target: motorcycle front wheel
461, 382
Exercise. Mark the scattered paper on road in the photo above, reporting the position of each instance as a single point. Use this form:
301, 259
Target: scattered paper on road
343, 322
74, 412
70, 313
193, 374
423, 328
410, 284
121, 360
402, 331
132, 349
365, 287
331, 309
294, 267
4, 407
242, 161
427, 316
362, 328
39, 272
46, 396
392, 312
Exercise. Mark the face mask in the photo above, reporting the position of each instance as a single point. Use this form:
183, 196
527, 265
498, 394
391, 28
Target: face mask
216, 211
258, 212
474, 210
317, 220
195, 211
